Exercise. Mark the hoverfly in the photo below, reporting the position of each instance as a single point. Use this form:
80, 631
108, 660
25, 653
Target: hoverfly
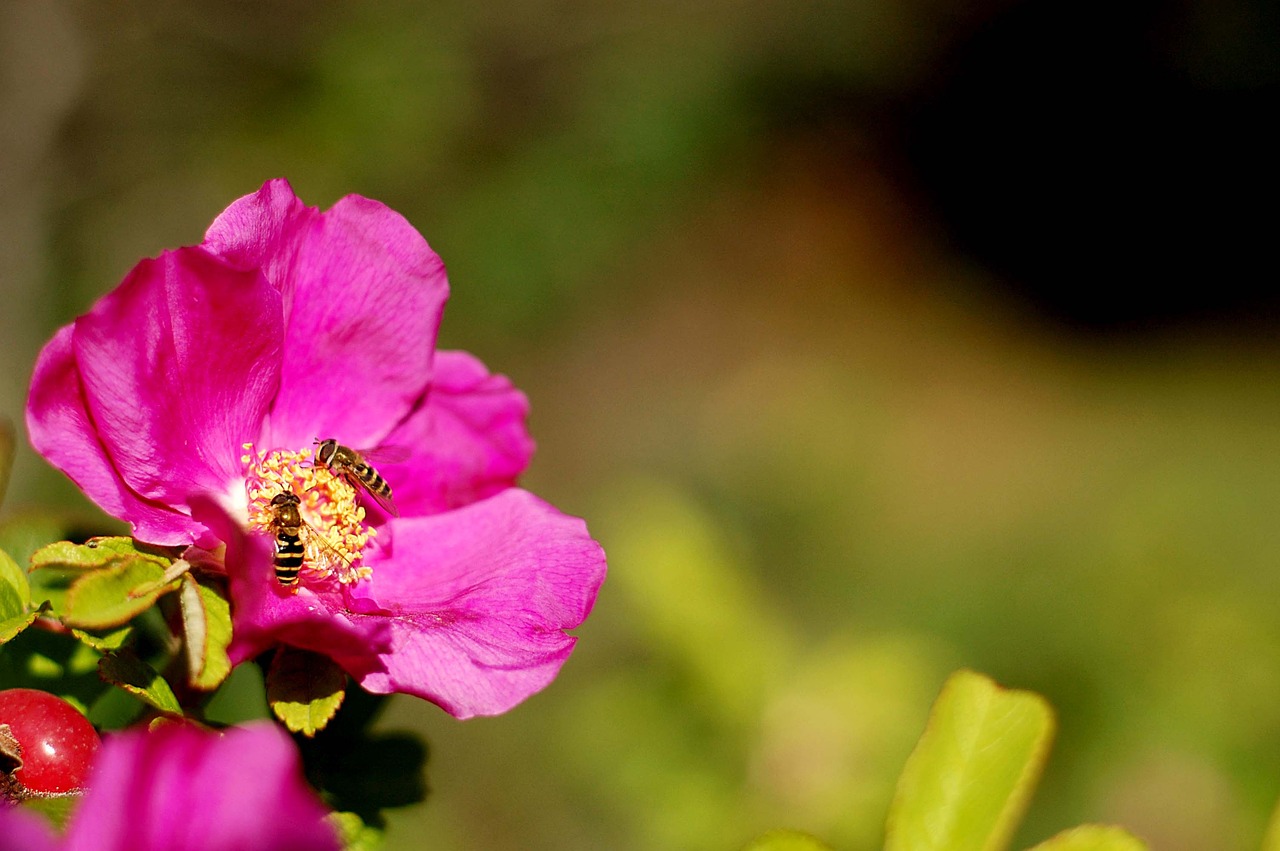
287, 524
353, 465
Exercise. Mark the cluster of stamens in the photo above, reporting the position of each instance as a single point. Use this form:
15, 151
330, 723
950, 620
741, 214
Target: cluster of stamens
334, 533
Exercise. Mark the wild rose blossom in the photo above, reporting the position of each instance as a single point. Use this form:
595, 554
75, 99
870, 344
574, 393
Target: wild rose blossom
192, 394
180, 786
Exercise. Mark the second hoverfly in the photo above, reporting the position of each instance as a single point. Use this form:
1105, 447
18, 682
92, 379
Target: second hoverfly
288, 526
354, 466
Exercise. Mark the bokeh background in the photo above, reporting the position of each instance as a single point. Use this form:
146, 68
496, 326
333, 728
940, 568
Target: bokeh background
873, 339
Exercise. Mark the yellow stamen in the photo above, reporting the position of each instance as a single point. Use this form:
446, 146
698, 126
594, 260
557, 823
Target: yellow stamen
335, 535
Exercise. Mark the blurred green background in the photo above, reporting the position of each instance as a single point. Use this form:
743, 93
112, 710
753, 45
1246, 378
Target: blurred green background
873, 339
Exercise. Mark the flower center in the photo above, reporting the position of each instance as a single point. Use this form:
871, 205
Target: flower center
333, 531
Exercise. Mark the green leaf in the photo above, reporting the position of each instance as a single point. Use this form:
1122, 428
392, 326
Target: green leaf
124, 669
115, 594
304, 689
56, 809
58, 569
967, 783
15, 599
15, 590
354, 834
1271, 842
94, 553
1093, 837
105, 643
787, 840
206, 620
241, 698
54, 662
11, 627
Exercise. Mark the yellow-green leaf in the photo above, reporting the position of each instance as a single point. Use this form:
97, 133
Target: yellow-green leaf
115, 594
56, 809
206, 620
94, 553
1271, 842
967, 783
10, 627
787, 840
15, 590
105, 643
1093, 837
304, 689
124, 669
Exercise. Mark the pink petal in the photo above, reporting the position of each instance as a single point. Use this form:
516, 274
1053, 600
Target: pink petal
363, 293
469, 439
264, 614
479, 599
25, 831
62, 431
181, 788
179, 365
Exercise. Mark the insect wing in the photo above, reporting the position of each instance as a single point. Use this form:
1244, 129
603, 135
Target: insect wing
373, 458
331, 552
385, 455
384, 502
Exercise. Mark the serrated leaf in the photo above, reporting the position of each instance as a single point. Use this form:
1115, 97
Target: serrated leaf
354, 834
967, 783
1093, 837
112, 640
304, 689
10, 628
15, 589
206, 620
92, 554
110, 597
124, 669
787, 840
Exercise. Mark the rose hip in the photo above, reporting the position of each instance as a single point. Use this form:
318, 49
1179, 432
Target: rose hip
47, 747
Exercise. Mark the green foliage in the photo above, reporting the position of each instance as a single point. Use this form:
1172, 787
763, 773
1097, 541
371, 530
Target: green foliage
113, 595
15, 599
105, 643
93, 554
1093, 837
206, 620
1271, 842
972, 774
340, 761
304, 689
15, 590
11, 626
56, 808
787, 840
124, 669
354, 834
969, 779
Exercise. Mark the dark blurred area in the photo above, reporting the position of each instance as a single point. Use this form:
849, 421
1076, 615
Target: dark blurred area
873, 340
1112, 163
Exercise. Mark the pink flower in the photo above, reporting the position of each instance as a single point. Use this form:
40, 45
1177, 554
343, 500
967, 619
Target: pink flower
181, 787
194, 393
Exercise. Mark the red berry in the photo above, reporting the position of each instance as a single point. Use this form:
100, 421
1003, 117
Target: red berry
57, 743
